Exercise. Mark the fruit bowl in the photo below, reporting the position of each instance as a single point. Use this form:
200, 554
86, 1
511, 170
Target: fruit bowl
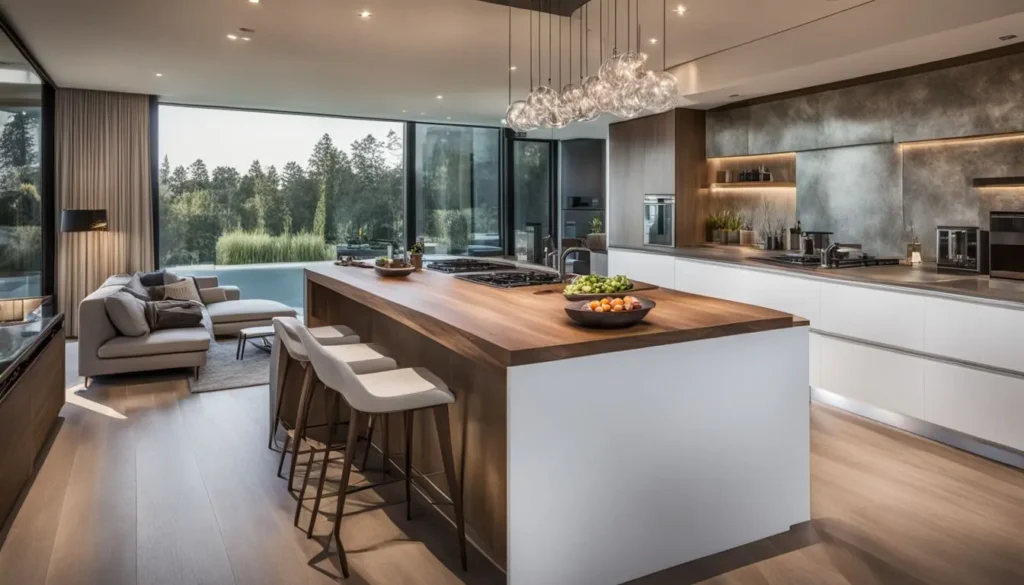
579, 312
392, 272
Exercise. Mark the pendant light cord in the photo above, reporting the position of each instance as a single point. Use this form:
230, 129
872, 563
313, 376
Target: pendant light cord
531, 46
664, 36
509, 53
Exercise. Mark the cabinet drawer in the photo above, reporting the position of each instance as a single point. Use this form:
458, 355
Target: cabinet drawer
886, 379
652, 268
891, 318
983, 404
796, 296
976, 333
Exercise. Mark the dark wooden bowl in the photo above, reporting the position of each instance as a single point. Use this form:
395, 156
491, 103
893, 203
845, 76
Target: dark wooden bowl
394, 271
588, 318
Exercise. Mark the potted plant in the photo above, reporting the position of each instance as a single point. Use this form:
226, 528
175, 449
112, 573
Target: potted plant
416, 254
597, 239
733, 224
712, 225
747, 234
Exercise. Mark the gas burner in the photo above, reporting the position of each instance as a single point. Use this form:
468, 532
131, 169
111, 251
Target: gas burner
462, 265
512, 279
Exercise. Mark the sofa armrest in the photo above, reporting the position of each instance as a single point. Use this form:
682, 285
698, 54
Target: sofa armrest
220, 293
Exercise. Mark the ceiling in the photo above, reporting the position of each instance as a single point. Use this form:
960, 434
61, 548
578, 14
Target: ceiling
319, 56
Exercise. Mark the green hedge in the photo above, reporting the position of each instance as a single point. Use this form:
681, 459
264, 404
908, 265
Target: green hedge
258, 248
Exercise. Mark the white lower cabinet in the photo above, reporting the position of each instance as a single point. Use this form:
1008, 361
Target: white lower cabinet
885, 379
789, 294
656, 269
852, 319
983, 404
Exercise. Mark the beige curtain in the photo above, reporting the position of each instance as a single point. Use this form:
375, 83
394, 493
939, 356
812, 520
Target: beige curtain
102, 162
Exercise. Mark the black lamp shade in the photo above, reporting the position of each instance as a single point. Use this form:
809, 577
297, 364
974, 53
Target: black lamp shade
83, 220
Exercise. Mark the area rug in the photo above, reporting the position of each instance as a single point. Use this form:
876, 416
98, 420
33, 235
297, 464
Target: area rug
223, 372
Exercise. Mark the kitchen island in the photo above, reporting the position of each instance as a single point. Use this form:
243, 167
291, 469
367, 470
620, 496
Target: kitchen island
597, 456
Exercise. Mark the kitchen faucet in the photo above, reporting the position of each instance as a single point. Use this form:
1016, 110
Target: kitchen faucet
561, 259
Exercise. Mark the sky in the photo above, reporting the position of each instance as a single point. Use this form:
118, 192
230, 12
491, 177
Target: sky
235, 138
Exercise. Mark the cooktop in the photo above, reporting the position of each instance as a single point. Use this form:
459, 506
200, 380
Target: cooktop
462, 265
511, 279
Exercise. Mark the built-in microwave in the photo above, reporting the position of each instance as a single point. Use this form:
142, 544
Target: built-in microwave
1006, 244
659, 220
961, 249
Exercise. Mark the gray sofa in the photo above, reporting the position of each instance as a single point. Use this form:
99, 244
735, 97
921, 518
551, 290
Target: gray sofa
102, 350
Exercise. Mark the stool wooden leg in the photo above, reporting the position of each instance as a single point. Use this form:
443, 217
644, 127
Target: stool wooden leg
408, 465
305, 399
385, 441
369, 441
346, 472
238, 348
280, 462
305, 482
277, 409
444, 437
330, 399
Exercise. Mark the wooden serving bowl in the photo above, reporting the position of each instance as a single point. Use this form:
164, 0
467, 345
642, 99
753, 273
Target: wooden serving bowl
394, 272
588, 318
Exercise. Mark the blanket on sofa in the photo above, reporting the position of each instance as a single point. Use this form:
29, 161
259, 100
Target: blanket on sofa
173, 314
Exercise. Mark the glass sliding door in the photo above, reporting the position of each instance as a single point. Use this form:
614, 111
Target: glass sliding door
458, 189
533, 198
21, 192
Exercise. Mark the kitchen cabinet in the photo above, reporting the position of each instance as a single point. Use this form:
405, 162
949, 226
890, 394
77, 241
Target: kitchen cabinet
661, 154
978, 403
651, 268
884, 379
881, 316
976, 333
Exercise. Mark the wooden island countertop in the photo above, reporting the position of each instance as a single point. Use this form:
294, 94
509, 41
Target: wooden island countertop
511, 327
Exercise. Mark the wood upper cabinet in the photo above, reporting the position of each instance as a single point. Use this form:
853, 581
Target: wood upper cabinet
658, 154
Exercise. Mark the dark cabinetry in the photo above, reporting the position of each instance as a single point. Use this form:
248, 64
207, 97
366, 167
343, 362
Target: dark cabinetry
28, 410
658, 154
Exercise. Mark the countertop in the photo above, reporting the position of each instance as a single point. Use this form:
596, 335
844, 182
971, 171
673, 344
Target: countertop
925, 278
18, 342
519, 326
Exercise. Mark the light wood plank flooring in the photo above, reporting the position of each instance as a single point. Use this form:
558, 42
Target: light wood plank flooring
146, 483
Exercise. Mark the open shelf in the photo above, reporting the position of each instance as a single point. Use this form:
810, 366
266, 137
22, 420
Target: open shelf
999, 182
752, 185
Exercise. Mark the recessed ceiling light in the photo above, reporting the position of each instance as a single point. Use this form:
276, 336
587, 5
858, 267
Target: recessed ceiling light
405, 111
159, 74
246, 38
448, 118
440, 97
1005, 38
680, 10
233, 37
654, 41
254, 1
512, 68
365, 14
423, 113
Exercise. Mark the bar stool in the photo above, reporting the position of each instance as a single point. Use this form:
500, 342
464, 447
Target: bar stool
327, 335
402, 391
362, 357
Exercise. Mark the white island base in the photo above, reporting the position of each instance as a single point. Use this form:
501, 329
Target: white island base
627, 463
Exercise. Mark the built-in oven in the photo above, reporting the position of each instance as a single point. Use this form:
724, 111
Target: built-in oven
659, 220
961, 249
1006, 244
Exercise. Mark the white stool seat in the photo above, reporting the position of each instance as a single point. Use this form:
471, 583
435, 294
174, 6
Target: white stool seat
401, 390
334, 335
363, 358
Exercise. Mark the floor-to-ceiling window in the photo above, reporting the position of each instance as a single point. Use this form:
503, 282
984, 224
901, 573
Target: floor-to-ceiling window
21, 249
457, 189
533, 197
242, 188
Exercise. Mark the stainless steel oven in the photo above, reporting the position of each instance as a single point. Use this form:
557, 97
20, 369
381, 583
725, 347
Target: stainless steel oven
660, 220
1006, 244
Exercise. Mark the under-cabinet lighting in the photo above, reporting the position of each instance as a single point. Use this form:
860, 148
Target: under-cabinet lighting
754, 156
963, 140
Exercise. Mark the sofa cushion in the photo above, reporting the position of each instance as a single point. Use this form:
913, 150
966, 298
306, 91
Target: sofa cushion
213, 295
157, 343
127, 313
117, 280
183, 290
247, 310
149, 279
134, 286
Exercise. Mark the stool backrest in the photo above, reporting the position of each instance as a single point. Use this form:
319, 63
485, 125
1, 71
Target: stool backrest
287, 330
335, 373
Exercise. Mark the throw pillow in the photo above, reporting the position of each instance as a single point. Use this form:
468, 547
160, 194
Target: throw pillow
156, 293
127, 313
149, 279
183, 290
170, 278
134, 286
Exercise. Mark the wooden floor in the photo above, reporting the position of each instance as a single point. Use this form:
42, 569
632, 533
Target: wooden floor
146, 483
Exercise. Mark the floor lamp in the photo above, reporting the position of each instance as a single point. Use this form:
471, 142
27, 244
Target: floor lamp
83, 220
